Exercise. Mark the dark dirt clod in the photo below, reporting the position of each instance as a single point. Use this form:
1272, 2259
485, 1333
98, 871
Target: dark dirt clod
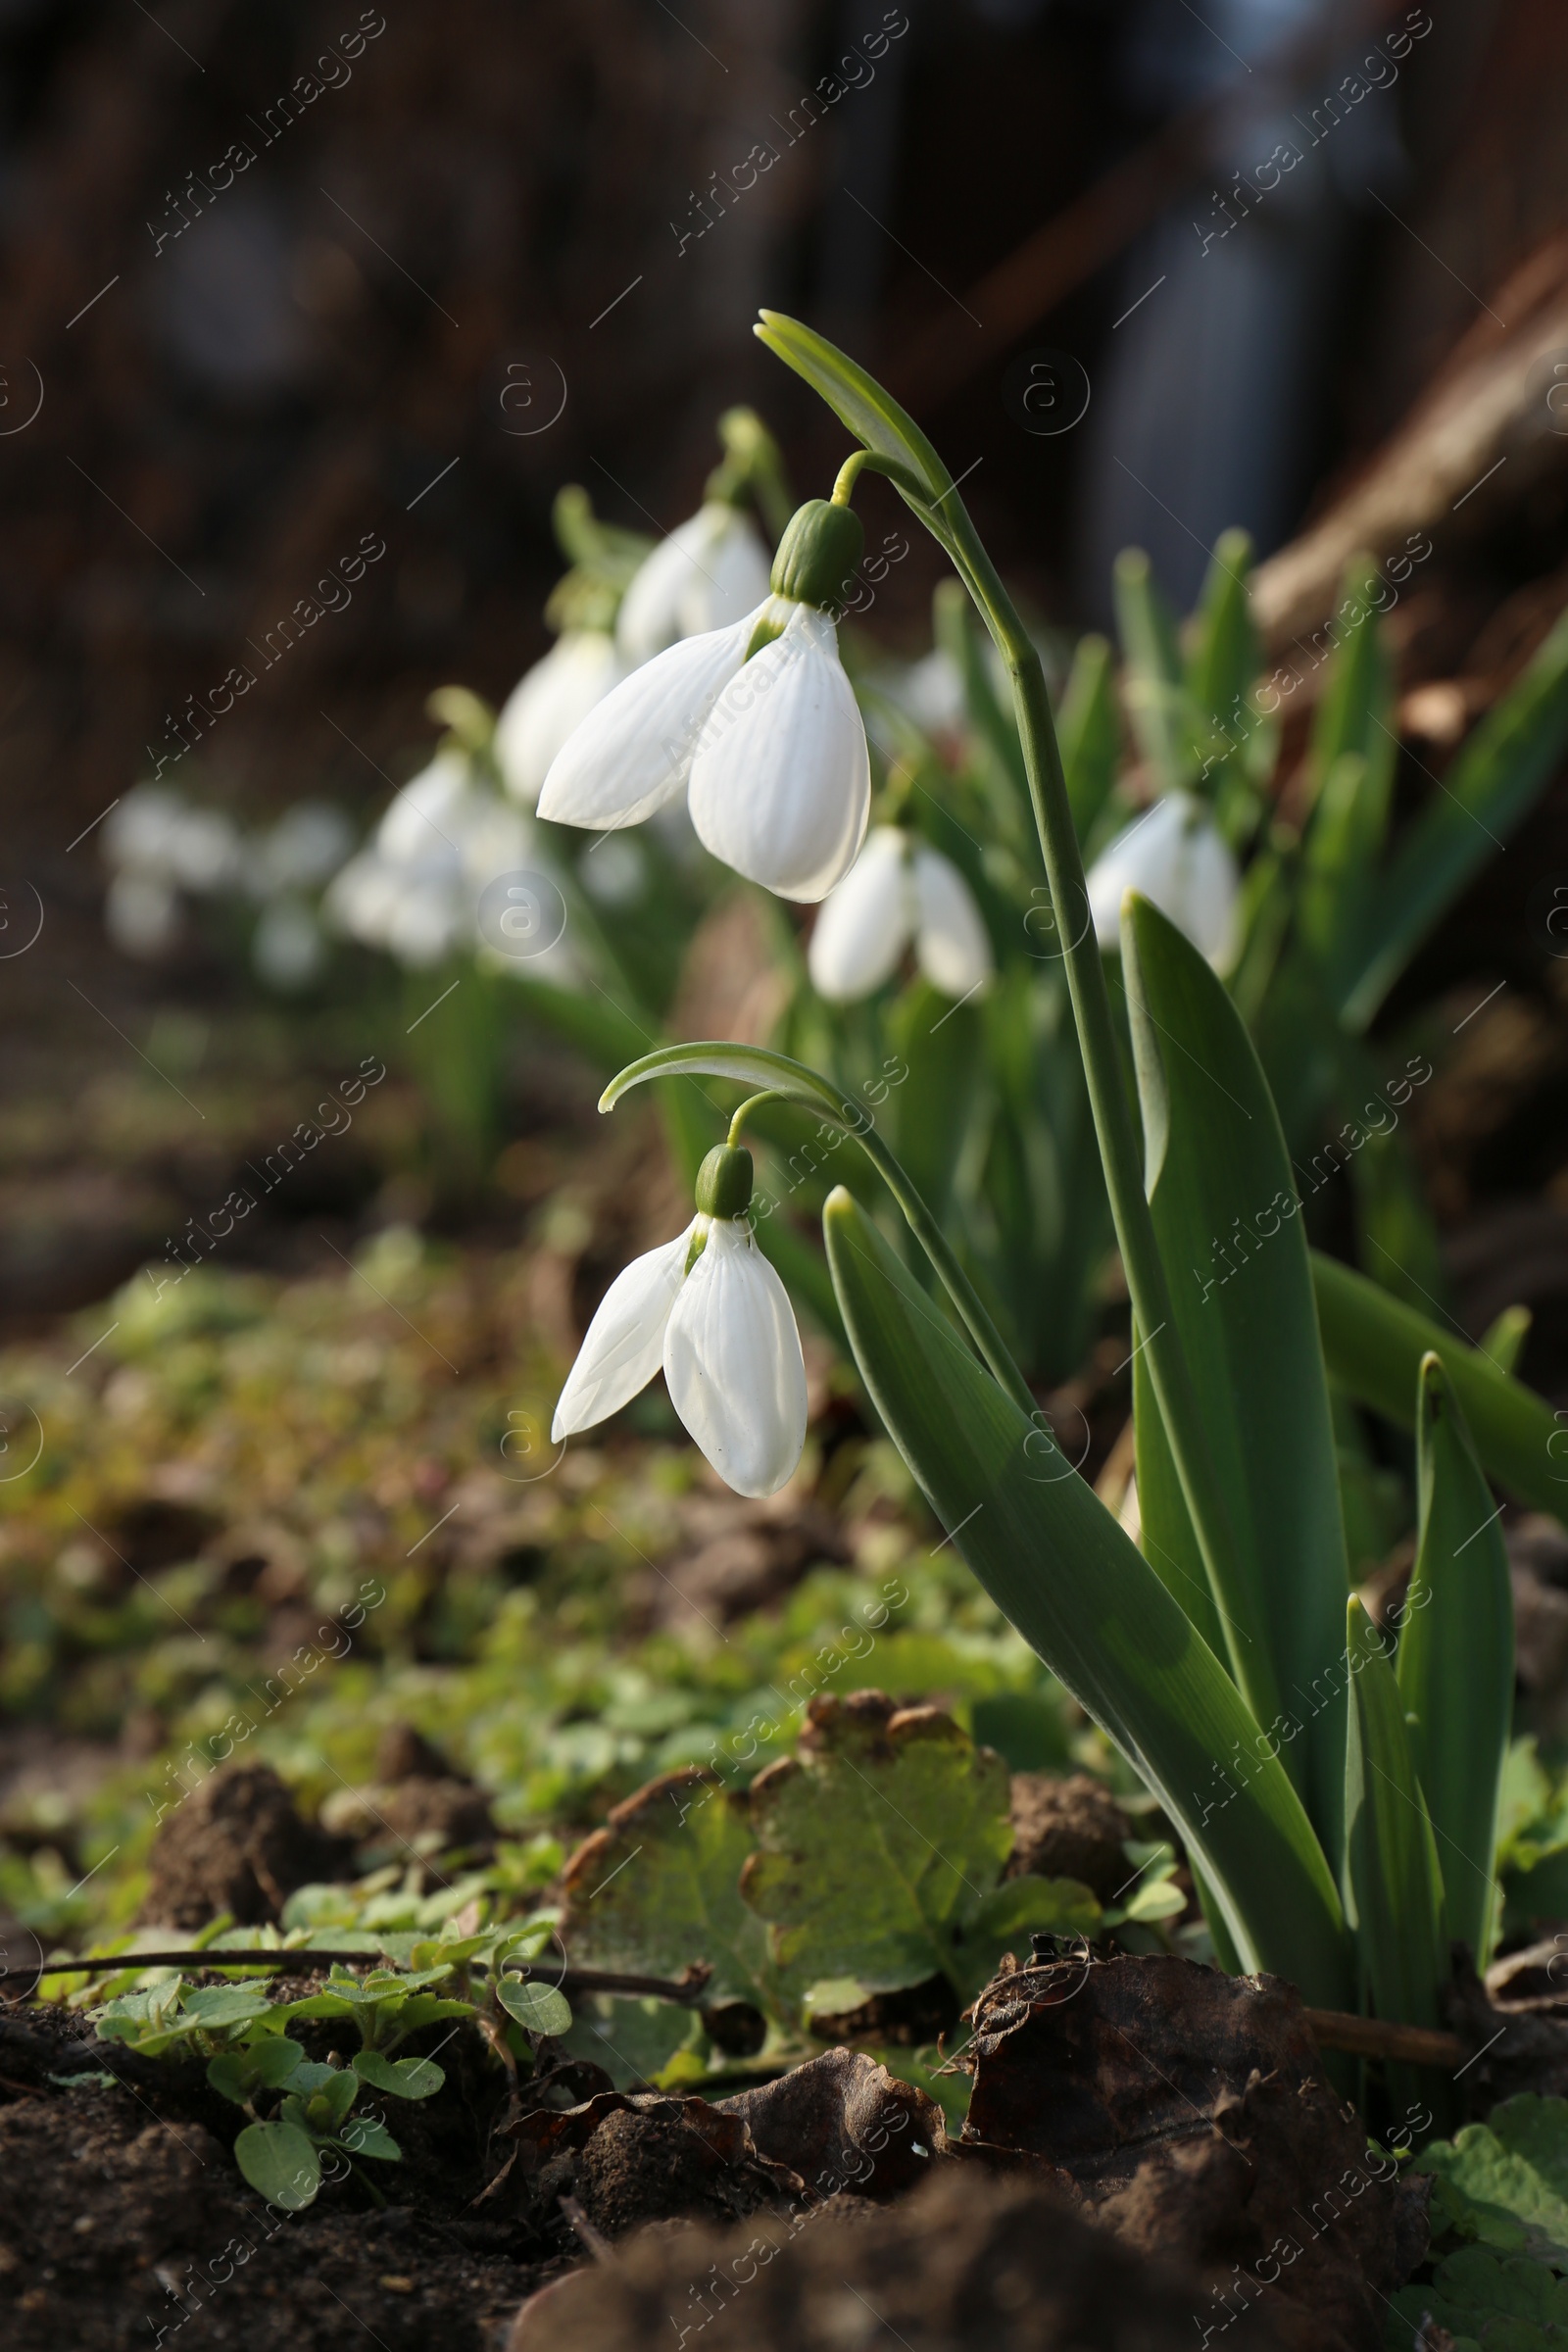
114, 2224
235, 1843
906, 2020
629, 2158
844, 2119
1070, 1829
405, 1754
966, 2264
1193, 2110
1517, 2049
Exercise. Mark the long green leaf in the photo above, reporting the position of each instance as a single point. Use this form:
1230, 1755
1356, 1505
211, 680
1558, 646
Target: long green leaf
1392, 1879
1455, 1663
1156, 701
1227, 1218
1056, 1562
1374, 1345
1494, 781
871, 414
1089, 732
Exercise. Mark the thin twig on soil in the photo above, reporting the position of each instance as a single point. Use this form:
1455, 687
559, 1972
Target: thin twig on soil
687, 1987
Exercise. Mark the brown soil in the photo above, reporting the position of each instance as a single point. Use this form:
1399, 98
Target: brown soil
1069, 1829
965, 2265
235, 1843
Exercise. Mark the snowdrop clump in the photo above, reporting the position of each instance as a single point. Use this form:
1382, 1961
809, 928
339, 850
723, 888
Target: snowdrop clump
1176, 856
709, 1308
414, 888
756, 723
897, 890
159, 846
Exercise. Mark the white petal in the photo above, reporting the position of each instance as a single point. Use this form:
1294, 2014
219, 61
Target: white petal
1176, 856
548, 702
733, 1363
951, 942
419, 823
710, 571
626, 1340
633, 751
781, 783
865, 924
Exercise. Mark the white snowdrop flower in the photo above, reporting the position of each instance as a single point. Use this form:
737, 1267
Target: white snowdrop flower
287, 950
1176, 857
305, 848
204, 849
771, 742
899, 891
137, 835
712, 571
142, 913
548, 702
720, 1324
931, 692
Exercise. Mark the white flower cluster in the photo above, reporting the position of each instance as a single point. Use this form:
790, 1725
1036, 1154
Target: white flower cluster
413, 889
161, 848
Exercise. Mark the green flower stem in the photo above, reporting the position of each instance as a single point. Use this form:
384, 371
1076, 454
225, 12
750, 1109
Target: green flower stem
769, 1094
1147, 1285
720, 1059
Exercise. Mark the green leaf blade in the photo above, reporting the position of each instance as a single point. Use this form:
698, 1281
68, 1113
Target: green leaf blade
1375, 1343
1394, 1882
1062, 1570
1227, 1218
860, 402
280, 2163
1456, 1659
1492, 785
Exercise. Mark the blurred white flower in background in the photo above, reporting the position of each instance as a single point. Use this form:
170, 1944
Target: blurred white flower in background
614, 870
159, 846
414, 889
709, 572
287, 948
1176, 857
548, 702
303, 849
897, 890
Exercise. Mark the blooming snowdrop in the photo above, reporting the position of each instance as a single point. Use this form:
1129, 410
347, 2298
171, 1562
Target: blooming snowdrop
548, 702
160, 845
757, 722
899, 890
1176, 857
712, 571
709, 1308
415, 889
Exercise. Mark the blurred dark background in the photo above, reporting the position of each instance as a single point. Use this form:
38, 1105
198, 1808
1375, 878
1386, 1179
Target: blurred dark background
481, 249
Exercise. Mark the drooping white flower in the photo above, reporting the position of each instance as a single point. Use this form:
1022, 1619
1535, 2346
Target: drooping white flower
1176, 857
142, 913
158, 834
712, 571
287, 950
899, 890
305, 848
772, 748
414, 889
721, 1325
548, 702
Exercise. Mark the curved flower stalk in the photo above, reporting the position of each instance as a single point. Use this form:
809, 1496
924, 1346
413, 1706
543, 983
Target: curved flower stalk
758, 723
899, 890
1175, 855
710, 1310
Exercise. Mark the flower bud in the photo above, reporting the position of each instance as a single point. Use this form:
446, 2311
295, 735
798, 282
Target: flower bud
724, 1181
818, 554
